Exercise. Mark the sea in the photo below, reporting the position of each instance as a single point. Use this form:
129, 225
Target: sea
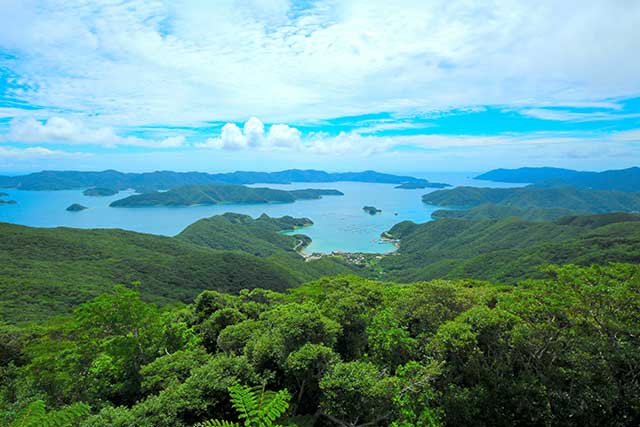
339, 222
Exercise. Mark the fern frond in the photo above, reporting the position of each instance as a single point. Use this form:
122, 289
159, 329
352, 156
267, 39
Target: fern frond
274, 405
35, 415
244, 400
217, 423
30, 415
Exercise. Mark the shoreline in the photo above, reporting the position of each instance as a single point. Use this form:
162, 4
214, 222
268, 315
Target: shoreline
348, 256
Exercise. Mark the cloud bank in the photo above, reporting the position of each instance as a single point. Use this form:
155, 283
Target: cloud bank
62, 131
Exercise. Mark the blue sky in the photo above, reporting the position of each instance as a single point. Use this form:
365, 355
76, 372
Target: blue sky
353, 84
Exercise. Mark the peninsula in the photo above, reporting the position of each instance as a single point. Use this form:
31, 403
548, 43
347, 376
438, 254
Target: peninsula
215, 194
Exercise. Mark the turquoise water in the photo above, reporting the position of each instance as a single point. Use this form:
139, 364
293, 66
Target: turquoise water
340, 224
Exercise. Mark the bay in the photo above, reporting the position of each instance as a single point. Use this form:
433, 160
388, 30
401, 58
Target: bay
340, 224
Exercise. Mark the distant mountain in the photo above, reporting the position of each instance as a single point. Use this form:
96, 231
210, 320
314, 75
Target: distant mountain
574, 199
621, 180
165, 180
214, 194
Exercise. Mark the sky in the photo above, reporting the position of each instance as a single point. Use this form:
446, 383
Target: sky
438, 85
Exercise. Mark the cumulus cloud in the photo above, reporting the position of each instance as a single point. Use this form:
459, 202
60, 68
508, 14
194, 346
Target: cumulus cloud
60, 130
253, 135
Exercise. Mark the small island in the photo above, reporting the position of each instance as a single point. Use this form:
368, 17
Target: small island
371, 210
418, 185
99, 192
76, 208
6, 202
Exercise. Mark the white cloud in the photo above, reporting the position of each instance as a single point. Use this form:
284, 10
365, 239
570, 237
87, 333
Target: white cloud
253, 135
63, 131
38, 153
288, 62
627, 136
564, 115
283, 136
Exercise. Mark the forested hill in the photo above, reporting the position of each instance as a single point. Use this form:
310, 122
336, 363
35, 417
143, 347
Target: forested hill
261, 236
213, 194
622, 180
509, 249
492, 211
574, 199
44, 272
164, 180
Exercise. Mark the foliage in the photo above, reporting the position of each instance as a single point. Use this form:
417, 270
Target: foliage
36, 415
256, 407
345, 351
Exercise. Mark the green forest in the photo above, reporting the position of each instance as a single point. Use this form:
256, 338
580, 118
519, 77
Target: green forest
497, 315
342, 351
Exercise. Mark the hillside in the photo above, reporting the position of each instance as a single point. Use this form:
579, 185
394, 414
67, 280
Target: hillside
510, 249
164, 180
574, 199
491, 211
621, 180
214, 194
261, 236
49, 271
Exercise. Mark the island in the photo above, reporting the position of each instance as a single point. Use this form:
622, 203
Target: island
6, 202
215, 194
421, 184
99, 192
76, 208
371, 210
